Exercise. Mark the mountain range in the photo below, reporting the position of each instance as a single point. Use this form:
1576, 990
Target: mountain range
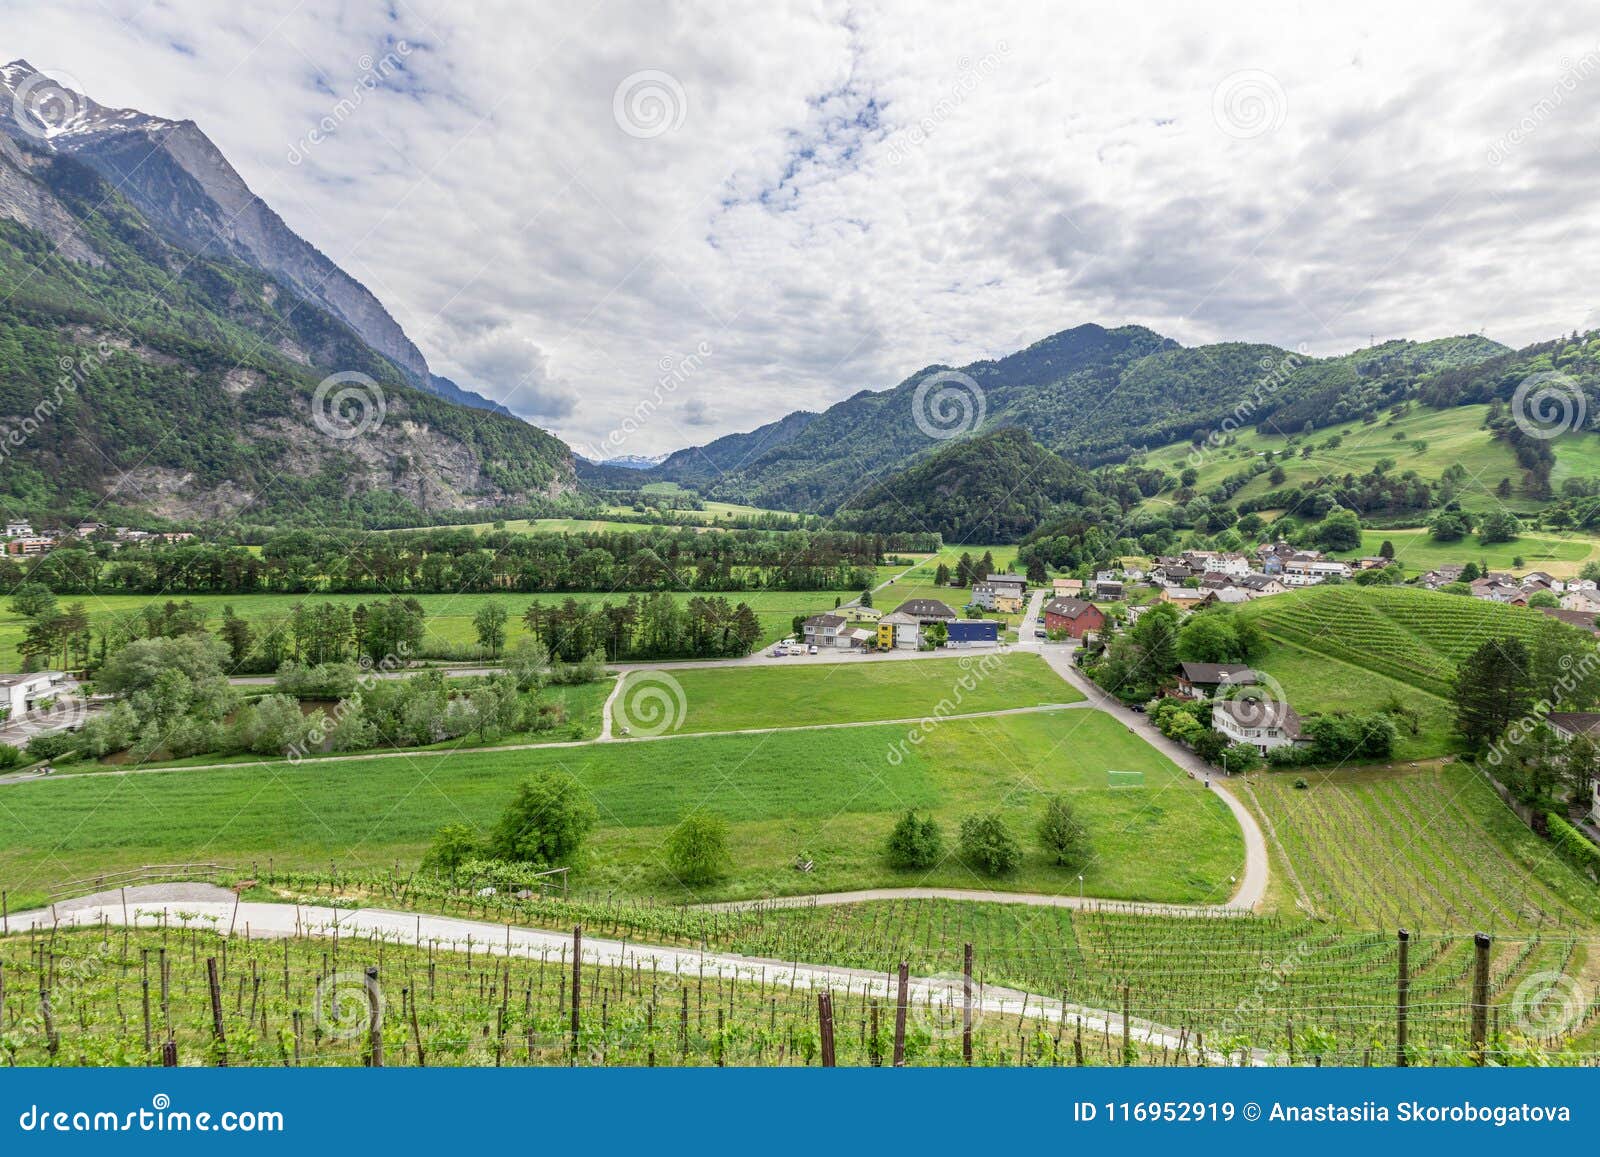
163, 333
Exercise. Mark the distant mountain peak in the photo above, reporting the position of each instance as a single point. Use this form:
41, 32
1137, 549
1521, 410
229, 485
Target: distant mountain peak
177, 177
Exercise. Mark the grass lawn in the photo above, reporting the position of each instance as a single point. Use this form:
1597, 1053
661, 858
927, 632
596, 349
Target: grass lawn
449, 628
831, 794
748, 697
1452, 436
1320, 683
1415, 549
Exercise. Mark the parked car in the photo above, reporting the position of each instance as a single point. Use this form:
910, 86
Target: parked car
813, 648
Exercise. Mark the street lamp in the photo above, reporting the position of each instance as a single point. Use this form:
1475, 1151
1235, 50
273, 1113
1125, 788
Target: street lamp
1080, 887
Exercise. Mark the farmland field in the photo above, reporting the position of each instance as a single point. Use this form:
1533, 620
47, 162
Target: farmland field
1559, 554
1428, 848
1317, 682
747, 697
832, 795
1452, 436
1414, 636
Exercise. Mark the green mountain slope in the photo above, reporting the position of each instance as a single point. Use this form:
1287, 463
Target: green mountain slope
1092, 395
995, 487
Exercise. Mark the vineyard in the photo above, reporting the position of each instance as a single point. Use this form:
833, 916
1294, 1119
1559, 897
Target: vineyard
1383, 849
1418, 637
1192, 991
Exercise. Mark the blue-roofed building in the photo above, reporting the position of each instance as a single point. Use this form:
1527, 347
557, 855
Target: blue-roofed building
965, 632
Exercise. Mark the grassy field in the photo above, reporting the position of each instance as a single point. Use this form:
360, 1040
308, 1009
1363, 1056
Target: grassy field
1452, 436
449, 623
1559, 554
1414, 636
1430, 848
1318, 682
749, 697
831, 794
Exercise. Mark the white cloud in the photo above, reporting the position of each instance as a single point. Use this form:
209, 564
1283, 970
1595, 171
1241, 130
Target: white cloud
855, 192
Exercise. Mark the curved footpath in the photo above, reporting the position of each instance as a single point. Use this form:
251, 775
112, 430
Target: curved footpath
276, 921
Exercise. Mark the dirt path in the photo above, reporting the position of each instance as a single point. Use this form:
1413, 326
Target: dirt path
276, 921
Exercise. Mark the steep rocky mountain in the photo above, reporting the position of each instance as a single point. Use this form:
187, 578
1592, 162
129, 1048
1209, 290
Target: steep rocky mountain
138, 377
1090, 394
189, 193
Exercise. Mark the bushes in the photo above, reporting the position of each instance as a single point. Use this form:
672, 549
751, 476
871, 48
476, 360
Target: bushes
1573, 845
545, 823
988, 845
697, 849
915, 842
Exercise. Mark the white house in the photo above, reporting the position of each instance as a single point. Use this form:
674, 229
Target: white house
1581, 600
19, 528
1262, 723
21, 695
827, 631
1302, 571
899, 629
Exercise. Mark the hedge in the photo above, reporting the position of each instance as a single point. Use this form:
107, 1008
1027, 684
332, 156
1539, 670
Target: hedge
1572, 843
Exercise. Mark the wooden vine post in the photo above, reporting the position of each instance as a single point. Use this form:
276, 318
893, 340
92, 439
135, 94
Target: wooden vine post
374, 1020
577, 989
900, 1016
218, 1036
966, 1006
825, 1027
1480, 995
1402, 1005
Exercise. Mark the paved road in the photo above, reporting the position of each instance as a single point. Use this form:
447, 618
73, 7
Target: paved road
980, 895
275, 921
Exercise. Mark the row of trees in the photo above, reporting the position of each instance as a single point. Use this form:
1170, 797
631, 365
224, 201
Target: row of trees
646, 627
985, 842
450, 562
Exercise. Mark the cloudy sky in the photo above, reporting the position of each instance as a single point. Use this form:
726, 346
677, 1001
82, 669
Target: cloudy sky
565, 204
